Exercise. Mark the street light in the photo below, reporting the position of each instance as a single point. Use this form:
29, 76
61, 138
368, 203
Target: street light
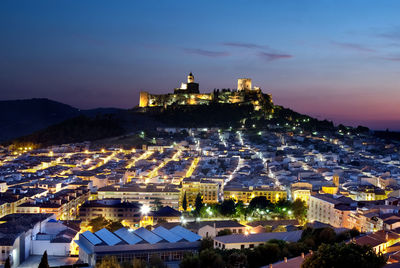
145, 209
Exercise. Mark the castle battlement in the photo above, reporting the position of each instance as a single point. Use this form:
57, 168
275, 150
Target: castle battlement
189, 94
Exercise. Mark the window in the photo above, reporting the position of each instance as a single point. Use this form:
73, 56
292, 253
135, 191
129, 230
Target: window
241, 246
251, 246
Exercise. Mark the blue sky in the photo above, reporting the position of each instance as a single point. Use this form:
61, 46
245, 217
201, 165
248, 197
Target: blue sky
338, 60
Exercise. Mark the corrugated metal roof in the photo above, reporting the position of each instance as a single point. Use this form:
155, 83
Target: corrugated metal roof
147, 235
128, 236
185, 233
167, 235
108, 237
92, 238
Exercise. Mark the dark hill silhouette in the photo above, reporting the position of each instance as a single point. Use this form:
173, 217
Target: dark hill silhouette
23, 117
43, 122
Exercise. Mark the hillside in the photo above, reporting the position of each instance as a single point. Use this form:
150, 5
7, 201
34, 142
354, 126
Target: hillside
23, 117
121, 124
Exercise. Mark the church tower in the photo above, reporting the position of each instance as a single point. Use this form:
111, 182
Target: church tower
190, 78
188, 88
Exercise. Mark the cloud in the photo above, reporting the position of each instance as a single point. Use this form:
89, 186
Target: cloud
392, 58
244, 45
206, 53
352, 46
393, 34
269, 56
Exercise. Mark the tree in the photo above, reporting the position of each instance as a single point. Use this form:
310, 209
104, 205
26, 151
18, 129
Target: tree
315, 237
190, 261
237, 260
227, 208
156, 262
184, 202
344, 256
108, 262
210, 259
206, 243
224, 232
260, 202
158, 204
198, 204
112, 226
299, 209
7, 264
44, 263
240, 209
98, 223
263, 255
138, 263
327, 236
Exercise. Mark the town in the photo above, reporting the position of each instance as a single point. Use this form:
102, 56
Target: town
235, 187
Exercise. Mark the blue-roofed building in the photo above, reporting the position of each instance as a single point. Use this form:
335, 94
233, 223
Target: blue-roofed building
185, 233
147, 235
126, 245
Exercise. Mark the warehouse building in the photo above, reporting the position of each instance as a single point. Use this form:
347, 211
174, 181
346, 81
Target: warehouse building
170, 245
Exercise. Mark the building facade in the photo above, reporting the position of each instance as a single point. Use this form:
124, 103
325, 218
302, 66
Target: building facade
111, 209
144, 194
246, 194
207, 189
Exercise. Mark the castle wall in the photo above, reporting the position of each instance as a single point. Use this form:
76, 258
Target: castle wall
144, 99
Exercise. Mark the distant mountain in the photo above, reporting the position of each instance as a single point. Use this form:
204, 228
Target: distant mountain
23, 117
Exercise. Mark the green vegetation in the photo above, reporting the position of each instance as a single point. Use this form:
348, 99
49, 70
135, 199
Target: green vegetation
313, 238
274, 250
224, 232
108, 262
100, 222
198, 204
112, 262
299, 209
344, 255
184, 202
259, 208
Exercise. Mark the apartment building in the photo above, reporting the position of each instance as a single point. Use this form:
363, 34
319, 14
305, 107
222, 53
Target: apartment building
149, 194
330, 209
206, 188
246, 194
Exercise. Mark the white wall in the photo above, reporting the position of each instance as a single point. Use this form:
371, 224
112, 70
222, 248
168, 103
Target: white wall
207, 229
53, 249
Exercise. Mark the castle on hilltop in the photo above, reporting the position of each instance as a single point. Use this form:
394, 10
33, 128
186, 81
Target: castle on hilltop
189, 94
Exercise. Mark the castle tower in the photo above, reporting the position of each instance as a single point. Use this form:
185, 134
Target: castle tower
244, 84
190, 78
144, 99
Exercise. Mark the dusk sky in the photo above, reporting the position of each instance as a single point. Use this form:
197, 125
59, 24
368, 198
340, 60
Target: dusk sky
338, 60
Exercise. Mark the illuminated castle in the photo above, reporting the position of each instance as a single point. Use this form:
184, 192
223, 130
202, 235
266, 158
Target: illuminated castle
189, 94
